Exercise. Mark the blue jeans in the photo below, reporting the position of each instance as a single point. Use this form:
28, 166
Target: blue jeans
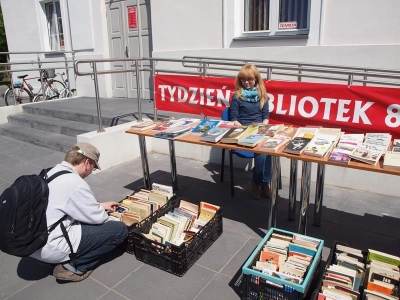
262, 169
96, 242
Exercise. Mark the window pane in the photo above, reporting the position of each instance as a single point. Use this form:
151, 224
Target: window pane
54, 25
256, 16
294, 13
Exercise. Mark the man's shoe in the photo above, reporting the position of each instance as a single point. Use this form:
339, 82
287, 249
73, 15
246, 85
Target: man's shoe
64, 275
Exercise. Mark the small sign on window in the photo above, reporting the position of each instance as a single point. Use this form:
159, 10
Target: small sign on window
132, 17
287, 25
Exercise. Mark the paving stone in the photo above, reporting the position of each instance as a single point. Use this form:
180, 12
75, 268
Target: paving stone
151, 283
10, 281
113, 296
114, 271
49, 289
218, 289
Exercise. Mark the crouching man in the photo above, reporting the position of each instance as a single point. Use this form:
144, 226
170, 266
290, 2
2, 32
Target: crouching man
90, 235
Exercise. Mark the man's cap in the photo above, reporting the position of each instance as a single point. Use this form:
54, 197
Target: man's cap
89, 151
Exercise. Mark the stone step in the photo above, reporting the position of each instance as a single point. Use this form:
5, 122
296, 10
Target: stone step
82, 117
38, 137
50, 124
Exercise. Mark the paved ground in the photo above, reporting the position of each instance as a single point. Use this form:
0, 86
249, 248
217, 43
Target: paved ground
351, 216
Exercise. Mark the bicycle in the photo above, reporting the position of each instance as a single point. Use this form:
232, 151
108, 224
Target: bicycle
24, 90
55, 89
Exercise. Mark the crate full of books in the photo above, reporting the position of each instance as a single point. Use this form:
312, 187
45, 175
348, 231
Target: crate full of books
282, 266
352, 274
143, 205
174, 240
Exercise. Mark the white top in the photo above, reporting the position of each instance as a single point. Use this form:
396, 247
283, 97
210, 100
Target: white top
69, 195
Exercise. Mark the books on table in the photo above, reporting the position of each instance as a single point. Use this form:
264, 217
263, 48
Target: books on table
144, 124
297, 145
275, 143
392, 160
233, 135
214, 135
204, 126
251, 140
347, 143
374, 147
323, 142
174, 127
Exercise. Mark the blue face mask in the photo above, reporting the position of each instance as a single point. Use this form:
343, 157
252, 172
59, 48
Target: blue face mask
250, 94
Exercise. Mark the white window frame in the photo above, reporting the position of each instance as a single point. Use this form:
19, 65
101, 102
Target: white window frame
46, 29
273, 30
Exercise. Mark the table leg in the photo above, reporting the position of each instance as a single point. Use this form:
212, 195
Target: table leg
274, 191
304, 196
319, 195
174, 174
292, 189
145, 163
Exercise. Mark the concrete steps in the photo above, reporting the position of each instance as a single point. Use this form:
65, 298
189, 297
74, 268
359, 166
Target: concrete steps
50, 124
56, 141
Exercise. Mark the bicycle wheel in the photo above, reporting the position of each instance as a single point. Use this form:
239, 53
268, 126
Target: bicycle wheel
55, 89
38, 98
22, 95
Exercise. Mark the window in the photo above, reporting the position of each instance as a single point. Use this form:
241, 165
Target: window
54, 25
275, 17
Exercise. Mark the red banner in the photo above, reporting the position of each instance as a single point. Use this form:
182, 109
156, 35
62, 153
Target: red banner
352, 108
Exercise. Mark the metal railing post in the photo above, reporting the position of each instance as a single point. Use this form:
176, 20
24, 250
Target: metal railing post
66, 71
41, 77
152, 73
96, 90
138, 90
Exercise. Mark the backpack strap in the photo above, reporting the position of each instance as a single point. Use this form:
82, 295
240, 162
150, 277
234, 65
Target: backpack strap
55, 175
60, 221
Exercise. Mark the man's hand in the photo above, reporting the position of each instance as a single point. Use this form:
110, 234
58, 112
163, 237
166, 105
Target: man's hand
109, 206
265, 122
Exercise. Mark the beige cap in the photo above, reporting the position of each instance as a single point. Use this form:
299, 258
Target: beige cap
89, 151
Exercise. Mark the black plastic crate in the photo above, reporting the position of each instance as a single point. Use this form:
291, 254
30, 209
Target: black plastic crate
332, 260
146, 223
171, 258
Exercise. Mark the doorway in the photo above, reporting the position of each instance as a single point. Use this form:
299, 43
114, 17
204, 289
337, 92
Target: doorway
129, 32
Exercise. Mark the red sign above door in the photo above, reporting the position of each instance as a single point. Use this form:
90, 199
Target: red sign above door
132, 17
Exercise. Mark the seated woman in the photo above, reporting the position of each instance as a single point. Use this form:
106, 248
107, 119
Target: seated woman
249, 105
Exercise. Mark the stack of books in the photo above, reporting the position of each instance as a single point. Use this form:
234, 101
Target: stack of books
343, 279
145, 124
374, 147
181, 224
300, 140
140, 205
383, 276
323, 142
392, 158
214, 135
347, 143
204, 126
174, 128
275, 143
233, 135
287, 257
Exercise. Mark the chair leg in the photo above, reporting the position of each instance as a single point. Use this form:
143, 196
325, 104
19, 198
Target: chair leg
222, 167
231, 169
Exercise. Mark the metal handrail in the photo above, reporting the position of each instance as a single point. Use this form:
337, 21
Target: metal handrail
206, 59
203, 66
40, 63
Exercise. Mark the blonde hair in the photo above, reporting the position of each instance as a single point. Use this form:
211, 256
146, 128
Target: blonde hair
74, 157
247, 71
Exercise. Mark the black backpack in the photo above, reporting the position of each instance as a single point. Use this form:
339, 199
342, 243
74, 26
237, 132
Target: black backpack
23, 225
